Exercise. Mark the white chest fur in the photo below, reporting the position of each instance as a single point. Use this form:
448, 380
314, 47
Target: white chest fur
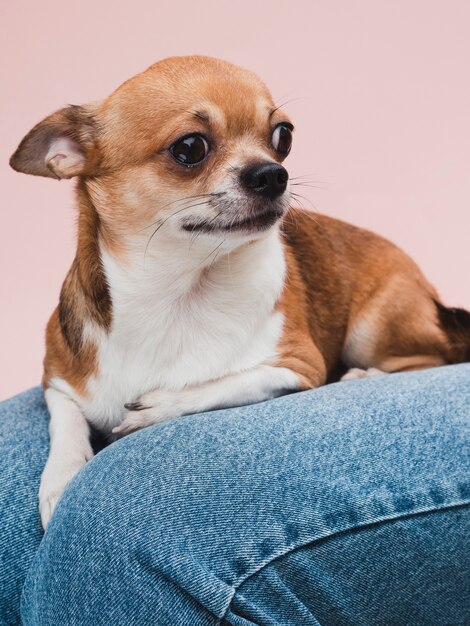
176, 324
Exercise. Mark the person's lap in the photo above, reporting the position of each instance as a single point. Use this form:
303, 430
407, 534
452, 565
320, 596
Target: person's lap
24, 443
343, 505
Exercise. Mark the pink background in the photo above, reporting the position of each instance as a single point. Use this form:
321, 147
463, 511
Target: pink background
381, 103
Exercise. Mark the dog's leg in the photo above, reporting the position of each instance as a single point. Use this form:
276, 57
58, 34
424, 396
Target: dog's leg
261, 383
397, 330
70, 449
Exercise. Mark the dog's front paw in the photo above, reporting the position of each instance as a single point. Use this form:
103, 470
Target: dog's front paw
57, 474
152, 408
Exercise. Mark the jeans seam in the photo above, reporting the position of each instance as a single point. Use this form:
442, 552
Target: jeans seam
351, 529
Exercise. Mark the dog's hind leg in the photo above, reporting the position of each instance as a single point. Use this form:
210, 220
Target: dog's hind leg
398, 330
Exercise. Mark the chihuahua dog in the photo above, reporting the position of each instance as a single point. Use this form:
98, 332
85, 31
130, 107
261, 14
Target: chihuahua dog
195, 286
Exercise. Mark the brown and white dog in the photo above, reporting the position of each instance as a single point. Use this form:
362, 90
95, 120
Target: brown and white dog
189, 291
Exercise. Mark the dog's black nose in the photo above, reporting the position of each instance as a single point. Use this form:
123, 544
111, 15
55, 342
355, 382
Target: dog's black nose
266, 179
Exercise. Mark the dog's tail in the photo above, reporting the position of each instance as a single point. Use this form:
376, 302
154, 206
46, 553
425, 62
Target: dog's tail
456, 325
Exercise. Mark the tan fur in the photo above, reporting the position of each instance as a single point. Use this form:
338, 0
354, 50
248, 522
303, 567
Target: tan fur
84, 299
61, 362
354, 282
123, 138
348, 295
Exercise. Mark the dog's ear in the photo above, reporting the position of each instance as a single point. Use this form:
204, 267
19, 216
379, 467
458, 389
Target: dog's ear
61, 146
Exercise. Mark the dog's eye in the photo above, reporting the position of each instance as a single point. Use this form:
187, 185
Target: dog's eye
190, 150
282, 139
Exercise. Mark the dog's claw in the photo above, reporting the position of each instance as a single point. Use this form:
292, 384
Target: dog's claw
134, 406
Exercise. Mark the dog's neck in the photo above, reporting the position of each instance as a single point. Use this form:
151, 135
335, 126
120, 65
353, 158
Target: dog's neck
160, 270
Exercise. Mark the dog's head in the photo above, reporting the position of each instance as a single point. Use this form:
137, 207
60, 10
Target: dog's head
191, 145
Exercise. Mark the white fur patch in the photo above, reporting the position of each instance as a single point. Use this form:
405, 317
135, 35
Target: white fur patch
248, 387
356, 373
360, 345
179, 323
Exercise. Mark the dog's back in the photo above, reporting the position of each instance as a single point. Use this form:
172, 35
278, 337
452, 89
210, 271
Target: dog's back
368, 302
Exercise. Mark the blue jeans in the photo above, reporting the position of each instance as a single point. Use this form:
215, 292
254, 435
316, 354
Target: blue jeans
345, 505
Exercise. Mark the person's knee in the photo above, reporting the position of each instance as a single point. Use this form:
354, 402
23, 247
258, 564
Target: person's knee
179, 515
102, 560
23, 450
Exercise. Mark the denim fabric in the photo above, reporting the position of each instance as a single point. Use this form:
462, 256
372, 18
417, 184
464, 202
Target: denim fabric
344, 505
24, 443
